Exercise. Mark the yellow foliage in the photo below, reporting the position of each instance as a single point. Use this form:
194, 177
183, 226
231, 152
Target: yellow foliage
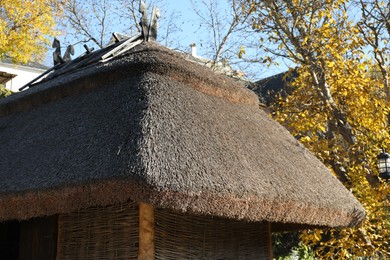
367, 110
25, 26
325, 44
241, 52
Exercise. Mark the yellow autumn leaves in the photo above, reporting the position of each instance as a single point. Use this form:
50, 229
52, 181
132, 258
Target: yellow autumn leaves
336, 86
362, 97
25, 26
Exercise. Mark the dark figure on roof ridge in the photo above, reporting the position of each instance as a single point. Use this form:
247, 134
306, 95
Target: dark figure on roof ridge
57, 59
152, 35
143, 9
69, 51
148, 30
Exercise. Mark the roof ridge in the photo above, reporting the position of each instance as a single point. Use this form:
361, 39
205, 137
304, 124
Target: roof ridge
138, 60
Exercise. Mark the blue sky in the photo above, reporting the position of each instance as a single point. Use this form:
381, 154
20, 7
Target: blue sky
189, 32
192, 34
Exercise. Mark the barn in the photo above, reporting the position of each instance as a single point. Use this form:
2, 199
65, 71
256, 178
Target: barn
146, 155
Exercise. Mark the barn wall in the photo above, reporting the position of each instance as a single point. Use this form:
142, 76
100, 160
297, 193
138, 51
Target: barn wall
99, 233
113, 233
180, 236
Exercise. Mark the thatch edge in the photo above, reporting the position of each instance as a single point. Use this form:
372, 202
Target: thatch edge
110, 192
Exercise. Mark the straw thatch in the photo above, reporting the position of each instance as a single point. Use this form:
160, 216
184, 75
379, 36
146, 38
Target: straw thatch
150, 126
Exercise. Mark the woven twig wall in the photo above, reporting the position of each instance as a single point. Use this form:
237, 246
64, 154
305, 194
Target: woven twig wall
181, 236
99, 233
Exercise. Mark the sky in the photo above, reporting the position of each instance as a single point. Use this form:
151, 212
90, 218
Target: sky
192, 34
188, 31
188, 18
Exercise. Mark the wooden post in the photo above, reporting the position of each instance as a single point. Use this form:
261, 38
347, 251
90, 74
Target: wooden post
146, 232
269, 234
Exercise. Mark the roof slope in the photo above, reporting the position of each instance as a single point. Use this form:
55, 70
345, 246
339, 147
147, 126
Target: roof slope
150, 126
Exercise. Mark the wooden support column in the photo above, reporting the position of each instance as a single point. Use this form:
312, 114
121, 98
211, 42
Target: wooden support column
146, 232
269, 234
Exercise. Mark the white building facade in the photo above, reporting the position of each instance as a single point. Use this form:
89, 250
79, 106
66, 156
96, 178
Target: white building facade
14, 76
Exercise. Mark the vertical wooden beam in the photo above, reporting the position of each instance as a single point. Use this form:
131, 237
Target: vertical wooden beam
146, 232
38, 238
269, 234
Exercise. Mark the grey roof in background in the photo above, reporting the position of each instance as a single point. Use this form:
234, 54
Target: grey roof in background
150, 126
31, 64
269, 89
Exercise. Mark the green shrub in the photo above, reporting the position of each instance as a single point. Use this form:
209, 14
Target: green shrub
4, 92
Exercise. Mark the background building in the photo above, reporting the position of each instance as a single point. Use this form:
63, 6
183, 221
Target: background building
14, 76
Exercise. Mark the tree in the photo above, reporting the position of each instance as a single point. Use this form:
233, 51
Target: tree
24, 27
374, 27
224, 33
95, 20
220, 34
90, 20
337, 109
221, 26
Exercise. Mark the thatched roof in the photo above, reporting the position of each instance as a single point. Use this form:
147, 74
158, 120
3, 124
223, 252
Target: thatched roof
150, 126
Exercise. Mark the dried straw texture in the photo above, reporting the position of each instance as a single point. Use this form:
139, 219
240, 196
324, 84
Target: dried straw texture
182, 236
153, 127
70, 80
109, 233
